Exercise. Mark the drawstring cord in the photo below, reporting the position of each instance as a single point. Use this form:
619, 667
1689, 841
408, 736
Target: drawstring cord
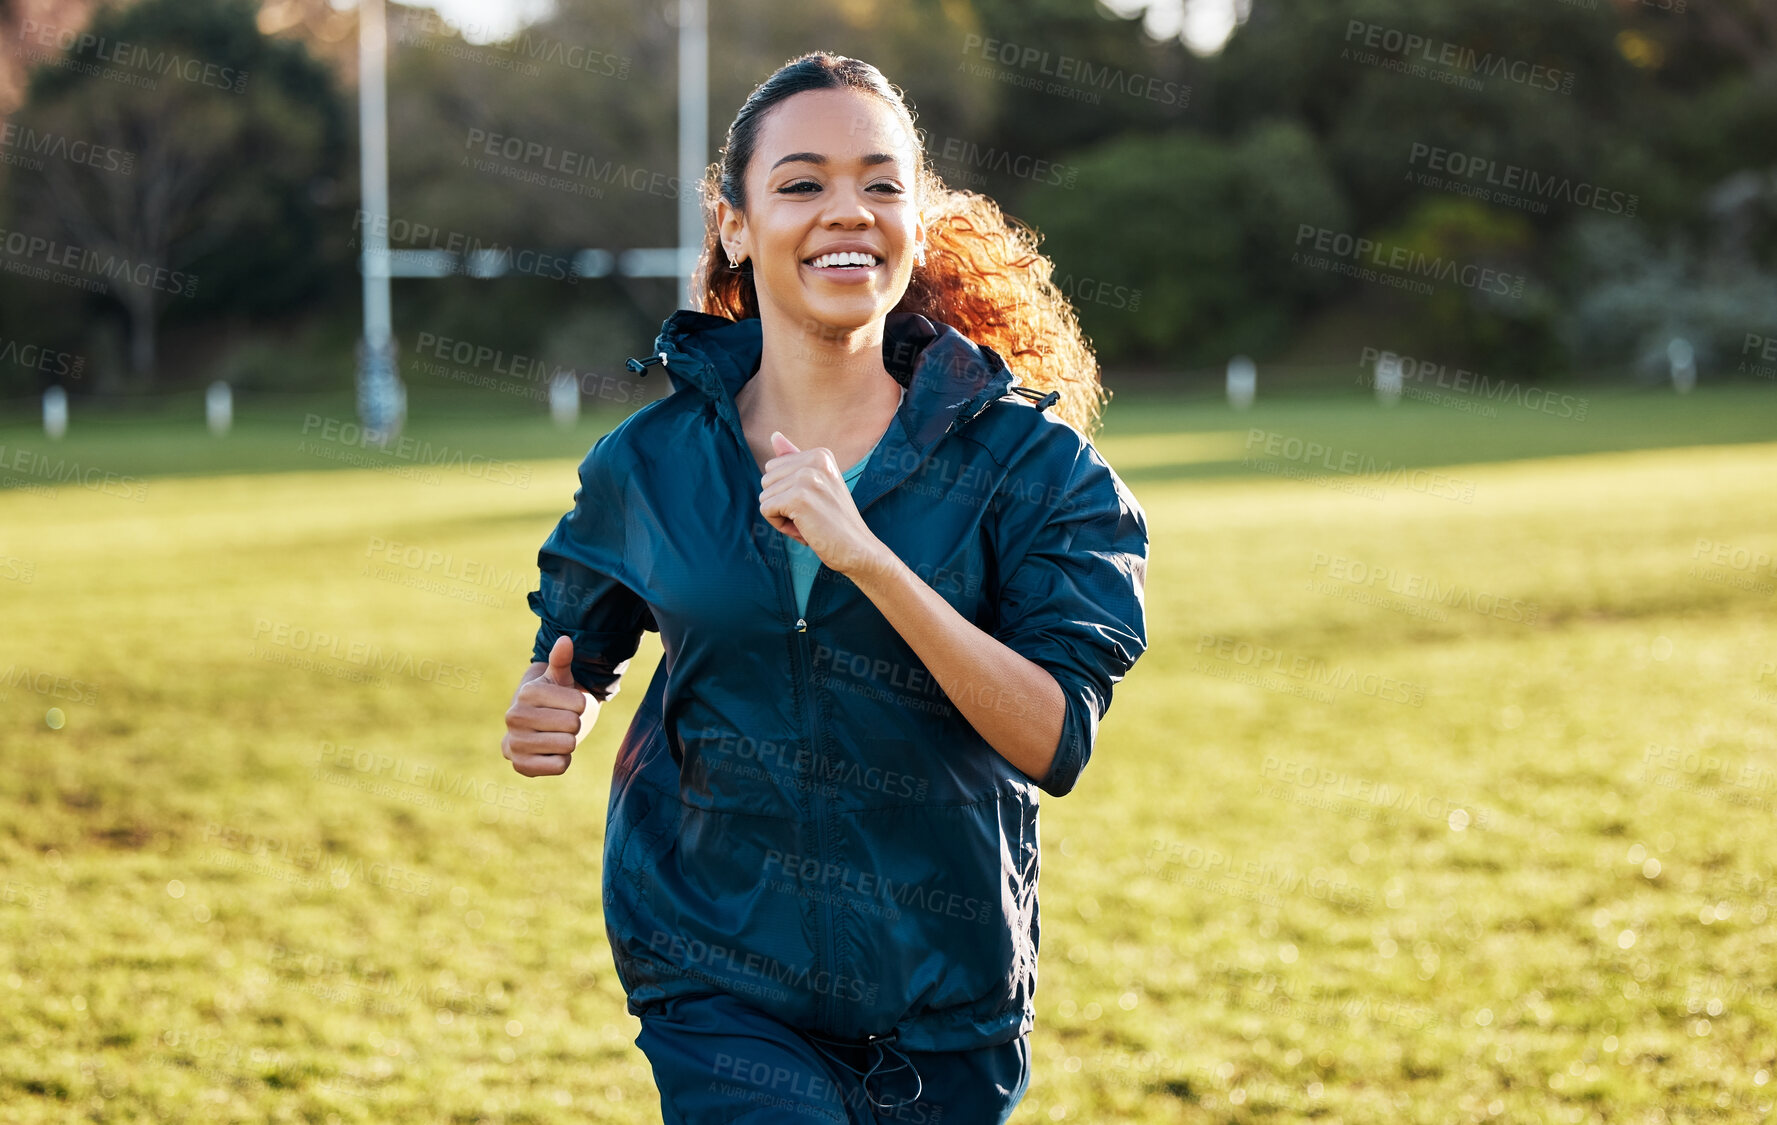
878, 1044
1043, 401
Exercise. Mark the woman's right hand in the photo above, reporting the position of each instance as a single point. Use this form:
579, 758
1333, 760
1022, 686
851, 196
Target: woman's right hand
549, 715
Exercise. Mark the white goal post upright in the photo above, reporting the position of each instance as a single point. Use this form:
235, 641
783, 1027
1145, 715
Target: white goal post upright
382, 399
694, 112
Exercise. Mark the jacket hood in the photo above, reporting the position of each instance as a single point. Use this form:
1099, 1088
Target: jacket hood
949, 378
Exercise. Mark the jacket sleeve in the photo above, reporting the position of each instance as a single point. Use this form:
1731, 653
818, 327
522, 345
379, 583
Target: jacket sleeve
580, 591
1073, 603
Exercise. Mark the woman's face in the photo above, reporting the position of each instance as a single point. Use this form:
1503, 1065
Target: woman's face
833, 170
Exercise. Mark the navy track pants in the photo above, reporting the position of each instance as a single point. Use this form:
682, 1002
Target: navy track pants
719, 1061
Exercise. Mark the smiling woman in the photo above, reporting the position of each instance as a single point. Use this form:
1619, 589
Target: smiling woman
821, 853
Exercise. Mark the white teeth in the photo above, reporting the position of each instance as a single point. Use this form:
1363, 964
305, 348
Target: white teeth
844, 258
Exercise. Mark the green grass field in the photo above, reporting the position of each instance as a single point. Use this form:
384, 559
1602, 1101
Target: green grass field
1445, 792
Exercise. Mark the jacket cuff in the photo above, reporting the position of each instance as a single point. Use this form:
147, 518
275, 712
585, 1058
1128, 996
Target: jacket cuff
1079, 731
600, 659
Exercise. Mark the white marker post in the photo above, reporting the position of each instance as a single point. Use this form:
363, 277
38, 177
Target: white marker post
219, 408
564, 400
1682, 359
1243, 382
55, 412
1388, 378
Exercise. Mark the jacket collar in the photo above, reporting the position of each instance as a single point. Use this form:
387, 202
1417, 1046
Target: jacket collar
949, 379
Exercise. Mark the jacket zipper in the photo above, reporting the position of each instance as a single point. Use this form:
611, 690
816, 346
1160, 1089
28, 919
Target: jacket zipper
816, 797
817, 805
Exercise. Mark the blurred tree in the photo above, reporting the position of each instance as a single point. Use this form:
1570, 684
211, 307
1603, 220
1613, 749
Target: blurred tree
1192, 175
1054, 74
1658, 102
220, 146
1178, 247
1514, 330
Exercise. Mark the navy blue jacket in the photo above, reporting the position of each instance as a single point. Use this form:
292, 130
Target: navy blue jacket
798, 815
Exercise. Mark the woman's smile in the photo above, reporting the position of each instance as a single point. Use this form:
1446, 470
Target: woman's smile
846, 266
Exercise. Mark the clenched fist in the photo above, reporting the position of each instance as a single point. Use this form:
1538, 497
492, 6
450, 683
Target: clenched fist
549, 715
803, 495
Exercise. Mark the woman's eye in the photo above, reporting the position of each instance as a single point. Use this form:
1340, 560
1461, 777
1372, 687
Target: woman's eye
803, 187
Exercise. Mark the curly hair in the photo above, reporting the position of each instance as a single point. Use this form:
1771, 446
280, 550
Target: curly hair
983, 273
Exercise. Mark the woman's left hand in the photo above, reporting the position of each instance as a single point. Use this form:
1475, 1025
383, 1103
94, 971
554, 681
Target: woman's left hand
804, 496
